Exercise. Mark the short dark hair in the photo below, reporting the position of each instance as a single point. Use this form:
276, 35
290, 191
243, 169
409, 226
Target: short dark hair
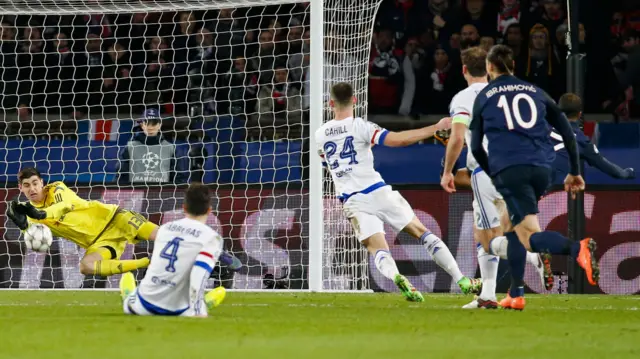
571, 105
474, 58
197, 199
342, 94
501, 57
27, 173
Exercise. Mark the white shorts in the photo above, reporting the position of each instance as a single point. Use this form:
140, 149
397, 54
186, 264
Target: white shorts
135, 305
485, 199
369, 212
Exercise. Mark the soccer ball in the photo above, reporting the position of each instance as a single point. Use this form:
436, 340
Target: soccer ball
38, 237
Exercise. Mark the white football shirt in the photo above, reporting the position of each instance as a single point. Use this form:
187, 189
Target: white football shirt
166, 283
345, 147
461, 111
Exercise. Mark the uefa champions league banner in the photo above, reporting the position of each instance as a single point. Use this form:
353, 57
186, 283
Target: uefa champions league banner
268, 231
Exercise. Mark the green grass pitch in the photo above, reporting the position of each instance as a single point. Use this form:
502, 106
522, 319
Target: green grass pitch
89, 325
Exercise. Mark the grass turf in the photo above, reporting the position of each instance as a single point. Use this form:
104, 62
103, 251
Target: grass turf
86, 325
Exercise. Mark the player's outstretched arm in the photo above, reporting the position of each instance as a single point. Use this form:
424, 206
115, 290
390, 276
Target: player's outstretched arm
406, 138
594, 158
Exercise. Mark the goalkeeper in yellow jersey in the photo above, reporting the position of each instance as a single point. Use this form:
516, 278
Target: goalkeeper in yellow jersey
102, 229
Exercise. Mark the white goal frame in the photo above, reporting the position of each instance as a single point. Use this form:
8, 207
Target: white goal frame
318, 86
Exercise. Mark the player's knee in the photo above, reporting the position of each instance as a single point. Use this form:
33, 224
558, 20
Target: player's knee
86, 267
415, 228
484, 237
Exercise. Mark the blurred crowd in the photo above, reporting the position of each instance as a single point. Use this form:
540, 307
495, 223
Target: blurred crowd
415, 57
254, 62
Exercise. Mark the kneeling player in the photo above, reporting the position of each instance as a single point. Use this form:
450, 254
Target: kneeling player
102, 229
489, 209
183, 257
368, 202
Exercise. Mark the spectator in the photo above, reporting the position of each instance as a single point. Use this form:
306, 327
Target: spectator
156, 71
508, 15
628, 42
264, 59
399, 17
148, 157
184, 45
476, 13
541, 67
437, 15
413, 66
117, 83
228, 34
385, 74
552, 15
298, 51
631, 79
88, 74
487, 42
444, 82
279, 106
469, 37
242, 87
203, 60
279, 103
513, 39
31, 87
60, 75
132, 30
454, 42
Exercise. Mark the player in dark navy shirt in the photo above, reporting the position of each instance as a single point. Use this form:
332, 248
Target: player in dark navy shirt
571, 105
515, 117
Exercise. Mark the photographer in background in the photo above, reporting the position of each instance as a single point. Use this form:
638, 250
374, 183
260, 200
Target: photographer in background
148, 157
571, 105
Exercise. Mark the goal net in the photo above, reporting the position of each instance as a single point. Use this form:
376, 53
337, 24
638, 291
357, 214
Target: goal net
127, 102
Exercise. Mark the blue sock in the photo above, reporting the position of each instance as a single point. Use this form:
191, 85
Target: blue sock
553, 243
517, 256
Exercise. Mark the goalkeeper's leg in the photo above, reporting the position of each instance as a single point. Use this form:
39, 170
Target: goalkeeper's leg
102, 261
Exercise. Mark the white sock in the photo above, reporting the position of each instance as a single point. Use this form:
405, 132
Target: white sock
532, 258
499, 246
489, 271
386, 264
441, 255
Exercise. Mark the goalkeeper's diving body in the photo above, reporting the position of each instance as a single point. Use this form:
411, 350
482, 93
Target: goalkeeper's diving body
102, 229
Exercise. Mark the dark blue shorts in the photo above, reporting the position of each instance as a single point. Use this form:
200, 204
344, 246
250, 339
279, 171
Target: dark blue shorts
522, 187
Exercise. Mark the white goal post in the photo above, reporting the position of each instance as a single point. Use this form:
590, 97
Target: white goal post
241, 86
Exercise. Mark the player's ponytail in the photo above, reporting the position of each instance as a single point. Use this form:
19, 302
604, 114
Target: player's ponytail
501, 57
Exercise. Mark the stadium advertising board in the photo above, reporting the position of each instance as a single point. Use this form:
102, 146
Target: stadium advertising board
267, 230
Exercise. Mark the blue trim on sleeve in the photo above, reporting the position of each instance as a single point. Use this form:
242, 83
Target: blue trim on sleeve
157, 310
203, 265
477, 170
382, 137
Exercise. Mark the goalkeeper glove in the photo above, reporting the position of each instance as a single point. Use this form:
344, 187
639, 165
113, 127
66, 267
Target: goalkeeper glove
33, 212
17, 215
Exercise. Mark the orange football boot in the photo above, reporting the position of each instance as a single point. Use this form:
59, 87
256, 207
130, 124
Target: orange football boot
516, 303
587, 260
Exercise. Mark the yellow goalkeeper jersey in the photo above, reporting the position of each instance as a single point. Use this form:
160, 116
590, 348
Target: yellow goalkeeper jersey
72, 217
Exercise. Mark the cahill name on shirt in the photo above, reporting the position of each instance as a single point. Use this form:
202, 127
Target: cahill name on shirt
333, 131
